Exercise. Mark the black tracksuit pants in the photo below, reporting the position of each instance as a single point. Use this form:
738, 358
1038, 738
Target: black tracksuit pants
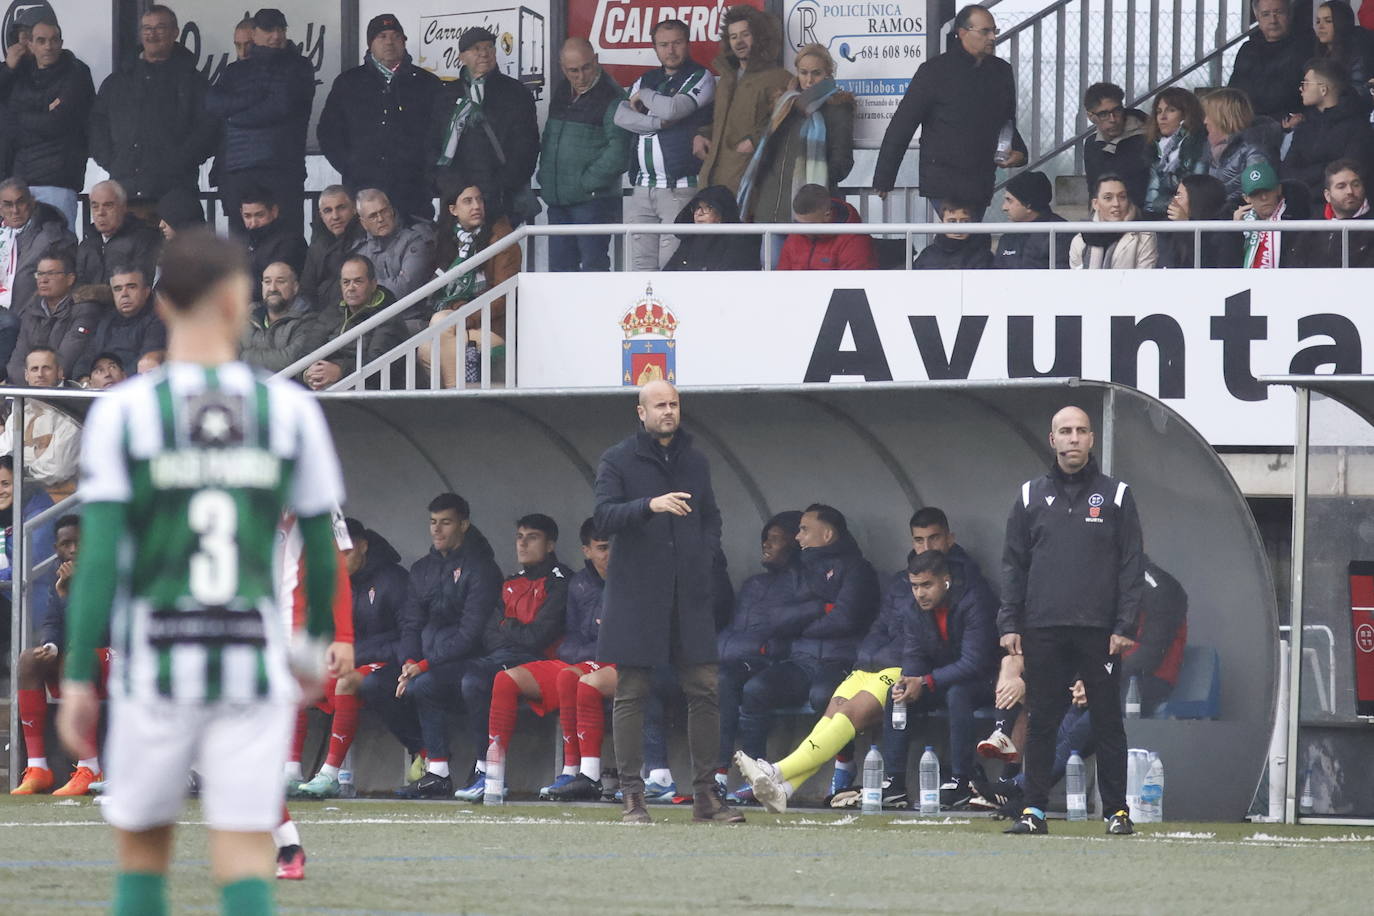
1055, 657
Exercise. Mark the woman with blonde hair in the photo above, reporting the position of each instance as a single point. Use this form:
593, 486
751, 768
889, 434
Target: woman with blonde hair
1178, 146
1238, 139
808, 140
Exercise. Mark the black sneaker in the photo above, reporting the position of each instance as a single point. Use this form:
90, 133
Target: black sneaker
1009, 797
427, 786
955, 793
1028, 823
582, 788
894, 793
1120, 824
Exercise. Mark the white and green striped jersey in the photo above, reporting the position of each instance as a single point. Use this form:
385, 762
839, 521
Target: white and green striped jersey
206, 459
701, 88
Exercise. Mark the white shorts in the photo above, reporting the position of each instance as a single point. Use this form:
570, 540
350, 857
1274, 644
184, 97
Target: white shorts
238, 749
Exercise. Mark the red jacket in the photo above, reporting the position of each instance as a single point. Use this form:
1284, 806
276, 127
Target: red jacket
830, 252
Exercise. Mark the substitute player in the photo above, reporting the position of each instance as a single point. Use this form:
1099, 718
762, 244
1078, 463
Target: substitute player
185, 472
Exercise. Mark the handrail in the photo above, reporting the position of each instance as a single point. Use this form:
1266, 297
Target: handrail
1029, 22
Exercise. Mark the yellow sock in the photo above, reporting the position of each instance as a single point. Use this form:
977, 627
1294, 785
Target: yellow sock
824, 742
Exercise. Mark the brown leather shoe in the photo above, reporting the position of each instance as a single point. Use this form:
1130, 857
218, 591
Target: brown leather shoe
635, 812
707, 808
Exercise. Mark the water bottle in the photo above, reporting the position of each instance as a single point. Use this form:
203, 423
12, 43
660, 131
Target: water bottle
1152, 792
898, 714
496, 776
1075, 791
930, 782
1004, 141
873, 782
346, 787
1305, 796
1135, 775
1133, 698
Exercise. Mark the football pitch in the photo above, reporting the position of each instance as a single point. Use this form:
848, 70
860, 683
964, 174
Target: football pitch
381, 857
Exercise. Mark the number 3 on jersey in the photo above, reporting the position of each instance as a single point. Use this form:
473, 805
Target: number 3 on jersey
214, 572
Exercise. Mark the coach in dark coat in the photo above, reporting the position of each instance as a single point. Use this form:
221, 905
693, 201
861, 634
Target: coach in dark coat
654, 499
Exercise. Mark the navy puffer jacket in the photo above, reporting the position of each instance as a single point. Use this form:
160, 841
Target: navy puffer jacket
771, 607
264, 102
379, 597
847, 586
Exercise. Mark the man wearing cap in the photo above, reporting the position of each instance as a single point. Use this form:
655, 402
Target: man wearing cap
1027, 200
1267, 198
483, 131
373, 125
264, 101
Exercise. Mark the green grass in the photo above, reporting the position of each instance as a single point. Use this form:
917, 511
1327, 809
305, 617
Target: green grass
375, 857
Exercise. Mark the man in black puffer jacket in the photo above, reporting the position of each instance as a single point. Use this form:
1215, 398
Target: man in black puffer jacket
264, 102
1269, 65
1027, 200
955, 250
149, 126
1335, 126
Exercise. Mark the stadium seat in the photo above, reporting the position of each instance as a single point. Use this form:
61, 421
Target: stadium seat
1198, 692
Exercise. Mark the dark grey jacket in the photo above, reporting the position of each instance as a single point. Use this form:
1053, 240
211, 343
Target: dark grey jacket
277, 345
1032, 251
135, 244
68, 329
45, 229
127, 338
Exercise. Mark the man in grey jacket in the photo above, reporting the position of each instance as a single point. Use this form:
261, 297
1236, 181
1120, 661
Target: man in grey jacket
27, 230
284, 327
402, 254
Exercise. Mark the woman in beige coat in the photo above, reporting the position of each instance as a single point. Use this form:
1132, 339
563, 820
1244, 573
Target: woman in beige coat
1113, 250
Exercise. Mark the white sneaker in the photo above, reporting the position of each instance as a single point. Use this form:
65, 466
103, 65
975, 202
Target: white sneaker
764, 780
999, 746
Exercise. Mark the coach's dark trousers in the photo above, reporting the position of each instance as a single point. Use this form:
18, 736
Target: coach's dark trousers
632, 691
1055, 656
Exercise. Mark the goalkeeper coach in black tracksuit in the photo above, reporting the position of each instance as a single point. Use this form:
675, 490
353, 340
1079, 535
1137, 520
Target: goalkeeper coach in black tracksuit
1072, 585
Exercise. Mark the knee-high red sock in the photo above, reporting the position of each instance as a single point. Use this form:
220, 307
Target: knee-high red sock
344, 727
505, 696
567, 715
591, 719
33, 717
298, 739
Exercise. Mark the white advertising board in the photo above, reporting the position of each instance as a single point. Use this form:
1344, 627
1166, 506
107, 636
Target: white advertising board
1195, 339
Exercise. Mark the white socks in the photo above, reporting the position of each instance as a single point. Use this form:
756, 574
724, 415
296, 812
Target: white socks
571, 770
331, 772
286, 835
440, 767
293, 771
39, 762
591, 768
90, 763
663, 777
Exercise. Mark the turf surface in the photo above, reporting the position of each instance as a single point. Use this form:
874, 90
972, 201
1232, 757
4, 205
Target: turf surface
375, 857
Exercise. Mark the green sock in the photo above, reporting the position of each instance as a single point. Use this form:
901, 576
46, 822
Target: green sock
825, 741
140, 894
248, 897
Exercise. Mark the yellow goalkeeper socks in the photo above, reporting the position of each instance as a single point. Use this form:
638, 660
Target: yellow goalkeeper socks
824, 742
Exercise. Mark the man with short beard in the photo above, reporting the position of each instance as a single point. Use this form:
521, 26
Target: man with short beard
284, 327
132, 328
338, 233
1345, 200
120, 239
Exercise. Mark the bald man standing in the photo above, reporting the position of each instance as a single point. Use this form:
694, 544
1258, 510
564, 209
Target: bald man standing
654, 499
1072, 572
582, 158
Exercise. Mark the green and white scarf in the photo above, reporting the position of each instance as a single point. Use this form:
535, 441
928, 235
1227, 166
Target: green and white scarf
468, 108
472, 284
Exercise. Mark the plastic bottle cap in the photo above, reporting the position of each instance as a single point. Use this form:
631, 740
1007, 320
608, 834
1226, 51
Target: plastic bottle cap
1073, 753
930, 747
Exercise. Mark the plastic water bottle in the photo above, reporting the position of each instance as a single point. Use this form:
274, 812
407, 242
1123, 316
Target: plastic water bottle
1152, 792
496, 776
1133, 698
1075, 790
346, 787
898, 714
873, 782
1004, 142
1305, 795
930, 782
1136, 765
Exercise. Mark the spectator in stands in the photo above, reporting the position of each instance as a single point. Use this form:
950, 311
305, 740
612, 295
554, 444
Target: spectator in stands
55, 318
1335, 125
666, 108
1119, 144
362, 299
1113, 250
149, 126
465, 229
1342, 42
179, 209
1199, 197
243, 38
1238, 139
1267, 198
713, 205
1346, 199
402, 251
337, 234
264, 102
808, 140
949, 661
483, 131
801, 251
372, 128
52, 439
284, 327
119, 239
1178, 146
1269, 65
582, 158
106, 372
47, 94
270, 238
524, 626
131, 328
453, 592
380, 587
955, 250
28, 229
749, 76
1026, 199
964, 101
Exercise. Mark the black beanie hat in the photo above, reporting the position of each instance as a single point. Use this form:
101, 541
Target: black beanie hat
473, 36
1032, 189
